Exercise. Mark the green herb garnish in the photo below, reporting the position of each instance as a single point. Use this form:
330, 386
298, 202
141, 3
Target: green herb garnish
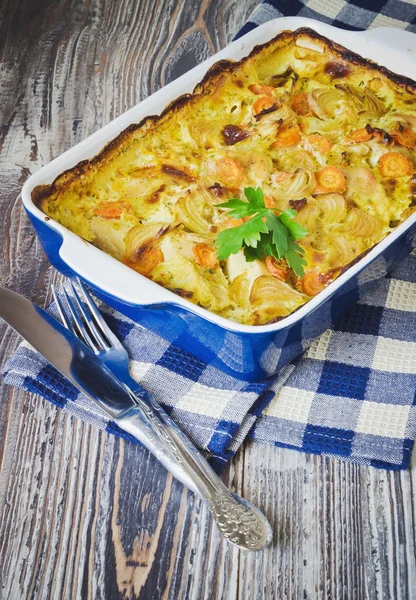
265, 234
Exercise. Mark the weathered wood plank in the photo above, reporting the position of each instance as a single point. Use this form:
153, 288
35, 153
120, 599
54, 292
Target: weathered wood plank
83, 515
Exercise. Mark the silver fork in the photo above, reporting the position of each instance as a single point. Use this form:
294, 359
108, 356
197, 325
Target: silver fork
238, 520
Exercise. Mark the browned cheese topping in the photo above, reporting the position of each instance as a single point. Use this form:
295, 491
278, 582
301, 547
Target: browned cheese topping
317, 128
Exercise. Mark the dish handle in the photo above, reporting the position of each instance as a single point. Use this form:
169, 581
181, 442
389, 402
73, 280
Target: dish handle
109, 274
397, 39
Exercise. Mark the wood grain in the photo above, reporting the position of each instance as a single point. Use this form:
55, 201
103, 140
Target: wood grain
82, 514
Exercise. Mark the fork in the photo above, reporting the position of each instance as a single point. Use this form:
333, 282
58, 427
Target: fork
238, 520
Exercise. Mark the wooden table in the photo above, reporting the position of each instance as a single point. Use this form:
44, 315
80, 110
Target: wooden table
82, 514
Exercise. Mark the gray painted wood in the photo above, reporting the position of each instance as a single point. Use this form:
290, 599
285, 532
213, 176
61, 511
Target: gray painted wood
83, 515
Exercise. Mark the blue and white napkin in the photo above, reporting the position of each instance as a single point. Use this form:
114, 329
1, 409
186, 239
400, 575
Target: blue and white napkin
346, 14
352, 395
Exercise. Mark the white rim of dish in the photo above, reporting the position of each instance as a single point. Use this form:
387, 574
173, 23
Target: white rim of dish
400, 43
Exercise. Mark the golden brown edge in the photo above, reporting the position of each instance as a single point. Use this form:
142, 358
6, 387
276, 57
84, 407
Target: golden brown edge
217, 70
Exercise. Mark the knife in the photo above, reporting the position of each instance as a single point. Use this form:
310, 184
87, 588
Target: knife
83, 368
238, 520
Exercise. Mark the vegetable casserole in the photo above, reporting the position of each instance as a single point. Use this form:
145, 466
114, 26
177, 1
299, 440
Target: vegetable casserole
302, 132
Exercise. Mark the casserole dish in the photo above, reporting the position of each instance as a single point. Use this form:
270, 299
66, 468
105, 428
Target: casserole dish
241, 350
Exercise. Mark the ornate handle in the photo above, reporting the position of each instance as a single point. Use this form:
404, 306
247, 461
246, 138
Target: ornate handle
239, 521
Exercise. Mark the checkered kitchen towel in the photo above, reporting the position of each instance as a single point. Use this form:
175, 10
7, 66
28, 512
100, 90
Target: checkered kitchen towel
352, 395
346, 14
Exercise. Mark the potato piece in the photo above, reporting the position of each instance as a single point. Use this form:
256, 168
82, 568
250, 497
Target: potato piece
200, 286
109, 236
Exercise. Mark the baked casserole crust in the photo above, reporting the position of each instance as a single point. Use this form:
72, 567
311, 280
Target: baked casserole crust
317, 127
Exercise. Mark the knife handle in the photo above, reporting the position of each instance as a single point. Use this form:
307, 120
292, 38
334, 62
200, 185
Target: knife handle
238, 520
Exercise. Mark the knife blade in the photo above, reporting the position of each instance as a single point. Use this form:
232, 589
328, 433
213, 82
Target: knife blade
85, 370
65, 352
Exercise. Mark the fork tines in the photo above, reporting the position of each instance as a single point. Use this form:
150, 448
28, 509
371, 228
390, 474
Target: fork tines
81, 316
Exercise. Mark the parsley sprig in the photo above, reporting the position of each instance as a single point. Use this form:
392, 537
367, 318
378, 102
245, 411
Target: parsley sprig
265, 234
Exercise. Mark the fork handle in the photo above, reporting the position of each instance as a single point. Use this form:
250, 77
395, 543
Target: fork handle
135, 422
238, 520
176, 445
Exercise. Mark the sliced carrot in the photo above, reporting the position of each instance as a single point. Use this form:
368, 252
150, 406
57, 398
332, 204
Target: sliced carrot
359, 135
269, 202
311, 283
300, 104
318, 257
280, 176
404, 137
288, 136
394, 164
205, 256
320, 143
330, 179
314, 281
111, 210
228, 222
230, 170
263, 103
304, 127
382, 136
278, 268
147, 260
258, 89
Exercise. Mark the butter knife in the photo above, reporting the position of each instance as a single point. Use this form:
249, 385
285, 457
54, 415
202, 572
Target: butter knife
238, 520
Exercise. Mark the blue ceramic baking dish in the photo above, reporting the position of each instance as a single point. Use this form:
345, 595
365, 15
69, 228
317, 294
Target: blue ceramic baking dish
246, 352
